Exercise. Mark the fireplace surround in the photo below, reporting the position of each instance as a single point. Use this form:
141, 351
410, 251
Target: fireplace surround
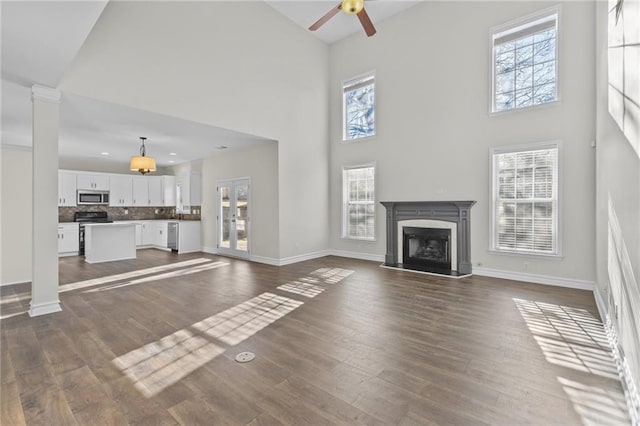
454, 215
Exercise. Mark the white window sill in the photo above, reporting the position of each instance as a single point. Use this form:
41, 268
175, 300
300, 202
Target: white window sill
365, 138
360, 240
546, 256
528, 108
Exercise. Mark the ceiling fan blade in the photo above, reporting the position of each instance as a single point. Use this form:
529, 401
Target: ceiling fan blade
330, 14
366, 23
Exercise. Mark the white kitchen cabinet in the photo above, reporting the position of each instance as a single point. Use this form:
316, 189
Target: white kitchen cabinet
156, 193
188, 191
169, 190
140, 191
148, 233
161, 234
68, 238
67, 189
97, 182
121, 190
189, 236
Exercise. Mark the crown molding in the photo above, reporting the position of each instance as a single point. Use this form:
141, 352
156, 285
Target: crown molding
44, 93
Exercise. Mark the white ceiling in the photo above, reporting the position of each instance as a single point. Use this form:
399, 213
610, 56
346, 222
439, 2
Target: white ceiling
40, 40
306, 12
89, 127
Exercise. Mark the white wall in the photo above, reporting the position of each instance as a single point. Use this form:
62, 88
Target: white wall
618, 214
260, 164
98, 165
434, 131
236, 65
16, 216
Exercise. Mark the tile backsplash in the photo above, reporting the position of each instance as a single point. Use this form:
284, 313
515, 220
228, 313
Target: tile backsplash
65, 214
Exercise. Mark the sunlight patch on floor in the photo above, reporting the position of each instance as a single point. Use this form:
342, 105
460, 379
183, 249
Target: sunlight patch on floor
158, 365
127, 275
301, 288
331, 275
158, 277
596, 406
569, 337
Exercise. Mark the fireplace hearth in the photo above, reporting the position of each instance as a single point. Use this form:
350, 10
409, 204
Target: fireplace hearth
429, 236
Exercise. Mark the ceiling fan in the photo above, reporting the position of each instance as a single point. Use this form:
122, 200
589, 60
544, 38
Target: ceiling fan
352, 7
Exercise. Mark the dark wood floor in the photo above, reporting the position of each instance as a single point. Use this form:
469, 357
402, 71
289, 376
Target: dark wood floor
367, 345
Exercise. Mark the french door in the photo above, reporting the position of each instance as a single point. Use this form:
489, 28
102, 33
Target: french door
233, 217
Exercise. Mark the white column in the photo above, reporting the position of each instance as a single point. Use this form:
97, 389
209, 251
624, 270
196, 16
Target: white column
44, 285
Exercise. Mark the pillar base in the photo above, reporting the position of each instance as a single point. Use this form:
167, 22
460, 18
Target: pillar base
44, 308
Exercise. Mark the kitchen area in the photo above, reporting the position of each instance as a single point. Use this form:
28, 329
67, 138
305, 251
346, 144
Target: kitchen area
108, 216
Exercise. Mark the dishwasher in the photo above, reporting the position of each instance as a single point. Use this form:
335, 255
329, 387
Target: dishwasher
172, 236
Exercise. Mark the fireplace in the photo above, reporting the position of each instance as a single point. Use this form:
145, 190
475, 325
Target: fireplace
429, 236
428, 247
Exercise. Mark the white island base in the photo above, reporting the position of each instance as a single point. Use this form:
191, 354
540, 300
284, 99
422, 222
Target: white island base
106, 242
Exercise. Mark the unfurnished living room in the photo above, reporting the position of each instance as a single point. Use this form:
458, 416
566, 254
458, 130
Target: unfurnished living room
320, 212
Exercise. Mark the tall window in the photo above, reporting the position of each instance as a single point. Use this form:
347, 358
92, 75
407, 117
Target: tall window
525, 200
358, 200
525, 62
359, 108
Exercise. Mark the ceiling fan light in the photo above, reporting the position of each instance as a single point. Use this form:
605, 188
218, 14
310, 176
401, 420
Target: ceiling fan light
352, 6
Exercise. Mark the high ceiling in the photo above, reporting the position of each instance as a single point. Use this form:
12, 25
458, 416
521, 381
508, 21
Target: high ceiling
306, 12
89, 128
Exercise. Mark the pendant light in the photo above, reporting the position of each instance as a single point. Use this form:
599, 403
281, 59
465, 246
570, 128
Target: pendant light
142, 164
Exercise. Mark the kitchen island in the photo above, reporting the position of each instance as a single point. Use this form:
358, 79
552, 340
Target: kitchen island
106, 242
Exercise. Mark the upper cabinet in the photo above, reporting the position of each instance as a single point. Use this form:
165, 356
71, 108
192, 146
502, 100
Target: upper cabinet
66, 189
93, 182
121, 192
156, 193
140, 191
188, 191
169, 190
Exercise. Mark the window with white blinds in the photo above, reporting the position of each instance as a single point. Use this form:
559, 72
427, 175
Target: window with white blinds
525, 62
358, 214
525, 200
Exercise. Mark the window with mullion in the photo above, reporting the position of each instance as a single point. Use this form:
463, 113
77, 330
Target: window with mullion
358, 220
525, 191
524, 60
359, 108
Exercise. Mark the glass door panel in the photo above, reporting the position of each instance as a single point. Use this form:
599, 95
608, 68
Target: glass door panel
233, 217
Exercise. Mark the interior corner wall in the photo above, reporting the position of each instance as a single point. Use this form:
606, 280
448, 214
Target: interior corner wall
236, 65
435, 130
16, 216
617, 213
260, 164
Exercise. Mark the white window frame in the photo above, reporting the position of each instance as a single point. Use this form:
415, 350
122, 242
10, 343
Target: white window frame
493, 225
345, 202
514, 26
352, 84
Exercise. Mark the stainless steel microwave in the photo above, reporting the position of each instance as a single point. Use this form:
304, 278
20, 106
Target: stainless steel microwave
93, 197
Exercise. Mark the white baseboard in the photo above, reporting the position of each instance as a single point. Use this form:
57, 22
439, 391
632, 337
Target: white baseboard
356, 255
266, 260
44, 308
602, 307
630, 388
210, 250
534, 278
14, 282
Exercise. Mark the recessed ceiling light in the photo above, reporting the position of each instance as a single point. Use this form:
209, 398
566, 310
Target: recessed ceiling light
104, 153
171, 161
222, 147
172, 153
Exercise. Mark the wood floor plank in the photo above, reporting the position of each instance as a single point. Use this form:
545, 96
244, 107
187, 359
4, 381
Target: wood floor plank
376, 346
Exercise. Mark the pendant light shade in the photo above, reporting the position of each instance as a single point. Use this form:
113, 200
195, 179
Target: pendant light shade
142, 164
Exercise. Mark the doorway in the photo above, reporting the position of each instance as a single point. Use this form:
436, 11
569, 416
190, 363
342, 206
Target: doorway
233, 217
